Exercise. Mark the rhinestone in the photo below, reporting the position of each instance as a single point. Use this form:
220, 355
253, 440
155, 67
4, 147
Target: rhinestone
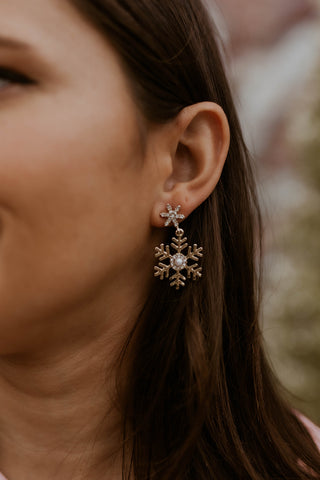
178, 261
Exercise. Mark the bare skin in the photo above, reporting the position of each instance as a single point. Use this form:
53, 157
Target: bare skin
80, 203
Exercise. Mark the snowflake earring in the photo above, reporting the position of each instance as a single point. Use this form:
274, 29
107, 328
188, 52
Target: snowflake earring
178, 261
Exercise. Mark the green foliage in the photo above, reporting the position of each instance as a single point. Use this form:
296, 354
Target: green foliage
292, 318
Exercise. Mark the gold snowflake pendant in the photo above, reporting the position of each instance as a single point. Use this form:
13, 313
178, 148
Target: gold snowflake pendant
178, 261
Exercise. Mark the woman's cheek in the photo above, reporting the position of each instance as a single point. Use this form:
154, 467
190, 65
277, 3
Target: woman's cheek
69, 188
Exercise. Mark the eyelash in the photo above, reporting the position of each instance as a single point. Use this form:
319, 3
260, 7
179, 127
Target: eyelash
12, 76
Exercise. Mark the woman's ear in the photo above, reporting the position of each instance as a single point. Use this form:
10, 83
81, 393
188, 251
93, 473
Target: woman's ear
198, 140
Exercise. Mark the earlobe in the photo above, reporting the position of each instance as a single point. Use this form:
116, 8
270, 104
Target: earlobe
201, 143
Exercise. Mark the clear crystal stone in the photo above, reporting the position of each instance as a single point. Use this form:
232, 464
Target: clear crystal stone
178, 261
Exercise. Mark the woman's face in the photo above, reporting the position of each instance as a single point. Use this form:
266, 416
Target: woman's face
74, 187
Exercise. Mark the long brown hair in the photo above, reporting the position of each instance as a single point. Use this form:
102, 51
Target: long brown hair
201, 400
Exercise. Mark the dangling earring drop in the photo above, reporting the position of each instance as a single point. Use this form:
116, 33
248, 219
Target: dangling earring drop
178, 261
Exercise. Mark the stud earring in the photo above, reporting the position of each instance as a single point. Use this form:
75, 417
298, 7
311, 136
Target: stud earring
177, 261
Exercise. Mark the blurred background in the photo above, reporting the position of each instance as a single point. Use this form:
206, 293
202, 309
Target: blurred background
273, 58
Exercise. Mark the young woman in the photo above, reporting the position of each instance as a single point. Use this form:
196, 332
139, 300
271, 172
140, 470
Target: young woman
130, 349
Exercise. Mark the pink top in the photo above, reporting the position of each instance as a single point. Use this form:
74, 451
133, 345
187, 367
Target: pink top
313, 429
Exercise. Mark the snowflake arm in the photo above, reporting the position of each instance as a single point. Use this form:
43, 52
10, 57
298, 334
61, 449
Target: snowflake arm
178, 280
178, 244
194, 270
194, 252
162, 270
163, 252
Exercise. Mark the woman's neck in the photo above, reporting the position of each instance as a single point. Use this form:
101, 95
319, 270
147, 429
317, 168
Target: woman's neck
58, 412
58, 419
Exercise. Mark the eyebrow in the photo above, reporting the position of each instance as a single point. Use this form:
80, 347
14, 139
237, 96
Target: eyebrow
14, 43
39, 63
